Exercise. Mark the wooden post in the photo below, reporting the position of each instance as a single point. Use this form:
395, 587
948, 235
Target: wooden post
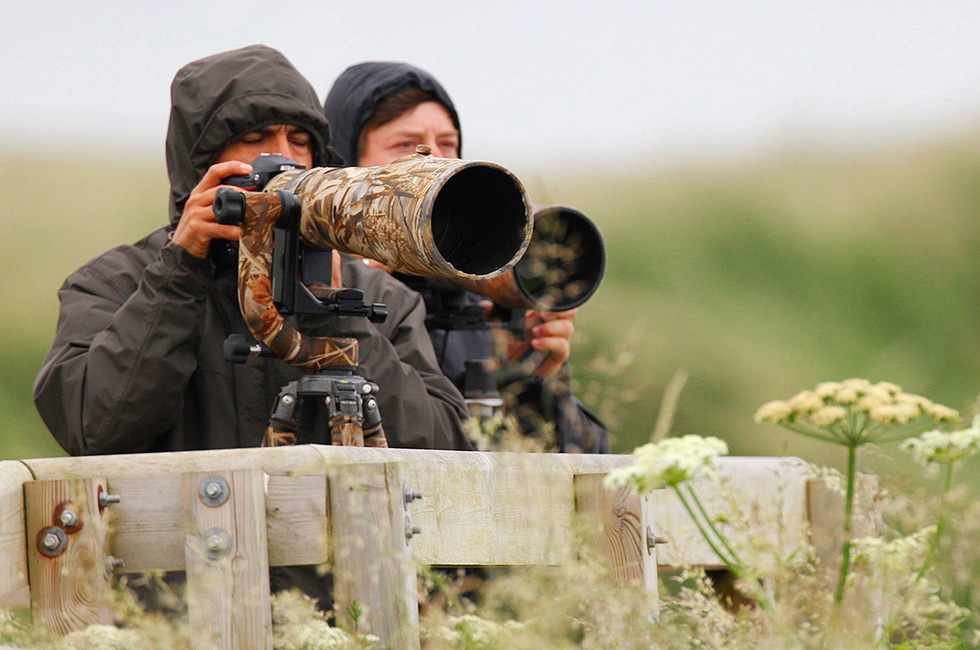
620, 525
371, 536
13, 537
66, 552
227, 560
825, 509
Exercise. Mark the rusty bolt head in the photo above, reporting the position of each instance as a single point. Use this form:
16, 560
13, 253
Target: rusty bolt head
52, 541
69, 519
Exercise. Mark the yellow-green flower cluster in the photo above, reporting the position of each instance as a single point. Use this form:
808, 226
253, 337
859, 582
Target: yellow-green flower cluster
669, 462
104, 637
934, 447
833, 402
896, 556
470, 632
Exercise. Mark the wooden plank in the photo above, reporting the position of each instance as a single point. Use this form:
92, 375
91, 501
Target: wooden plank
825, 507
373, 569
616, 523
150, 510
13, 545
227, 563
497, 508
767, 494
486, 508
69, 585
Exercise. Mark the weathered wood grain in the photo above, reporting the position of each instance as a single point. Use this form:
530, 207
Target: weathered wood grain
372, 565
13, 546
615, 522
69, 591
228, 594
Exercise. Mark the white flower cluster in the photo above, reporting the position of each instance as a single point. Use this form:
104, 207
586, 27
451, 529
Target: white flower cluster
897, 556
832, 402
470, 632
668, 462
934, 447
104, 637
313, 635
298, 625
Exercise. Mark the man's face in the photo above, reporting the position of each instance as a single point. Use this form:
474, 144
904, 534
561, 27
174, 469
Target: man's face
428, 123
285, 139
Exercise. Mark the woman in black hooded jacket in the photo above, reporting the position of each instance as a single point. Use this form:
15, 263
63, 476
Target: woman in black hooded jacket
366, 97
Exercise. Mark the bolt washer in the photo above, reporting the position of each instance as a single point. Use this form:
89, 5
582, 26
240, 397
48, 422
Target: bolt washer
209, 495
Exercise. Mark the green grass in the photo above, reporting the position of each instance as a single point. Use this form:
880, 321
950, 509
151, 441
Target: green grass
761, 278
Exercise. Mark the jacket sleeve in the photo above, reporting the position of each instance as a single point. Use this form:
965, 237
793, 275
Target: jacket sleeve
420, 406
124, 350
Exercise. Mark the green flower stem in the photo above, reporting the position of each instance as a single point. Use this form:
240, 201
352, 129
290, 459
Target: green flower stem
845, 564
733, 566
697, 522
711, 524
811, 434
940, 525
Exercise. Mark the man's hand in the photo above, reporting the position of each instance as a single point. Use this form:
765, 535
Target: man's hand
197, 226
550, 333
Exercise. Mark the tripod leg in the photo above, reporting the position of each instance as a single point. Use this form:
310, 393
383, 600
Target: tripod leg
375, 437
345, 430
276, 438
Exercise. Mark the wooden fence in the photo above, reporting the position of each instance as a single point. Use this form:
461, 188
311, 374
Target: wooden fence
226, 516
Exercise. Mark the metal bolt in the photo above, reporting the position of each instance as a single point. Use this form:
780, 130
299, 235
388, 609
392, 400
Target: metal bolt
213, 491
371, 405
410, 530
366, 389
69, 519
653, 539
51, 542
328, 400
106, 499
113, 563
288, 400
216, 543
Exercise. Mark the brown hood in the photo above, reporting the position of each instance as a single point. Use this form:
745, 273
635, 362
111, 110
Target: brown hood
218, 99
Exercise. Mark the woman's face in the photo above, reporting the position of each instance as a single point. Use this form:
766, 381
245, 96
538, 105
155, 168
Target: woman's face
428, 123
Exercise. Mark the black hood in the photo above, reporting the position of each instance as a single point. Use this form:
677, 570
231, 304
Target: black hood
356, 93
218, 99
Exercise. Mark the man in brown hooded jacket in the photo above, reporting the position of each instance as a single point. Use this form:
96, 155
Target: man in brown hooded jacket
137, 362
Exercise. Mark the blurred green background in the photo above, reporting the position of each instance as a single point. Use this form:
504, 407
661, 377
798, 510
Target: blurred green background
761, 275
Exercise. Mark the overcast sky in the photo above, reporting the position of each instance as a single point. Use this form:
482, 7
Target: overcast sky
532, 80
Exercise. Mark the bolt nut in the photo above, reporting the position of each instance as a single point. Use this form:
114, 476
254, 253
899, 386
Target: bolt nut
52, 541
69, 519
213, 491
216, 543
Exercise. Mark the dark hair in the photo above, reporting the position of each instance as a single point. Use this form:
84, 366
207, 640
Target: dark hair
391, 108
